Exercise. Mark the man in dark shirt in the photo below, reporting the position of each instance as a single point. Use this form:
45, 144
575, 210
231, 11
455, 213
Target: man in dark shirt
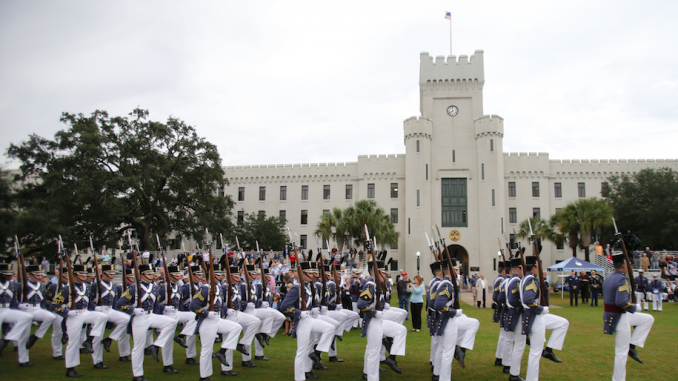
403, 296
573, 284
584, 286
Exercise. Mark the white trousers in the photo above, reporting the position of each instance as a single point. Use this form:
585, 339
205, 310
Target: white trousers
509, 340
208, 332
187, 318
622, 339
20, 331
305, 329
434, 348
466, 331
395, 310
75, 332
265, 320
57, 332
278, 320
641, 296
45, 317
559, 325
375, 332
351, 319
537, 339
657, 301
500, 344
518, 344
356, 310
643, 324
119, 334
250, 325
165, 340
317, 336
445, 354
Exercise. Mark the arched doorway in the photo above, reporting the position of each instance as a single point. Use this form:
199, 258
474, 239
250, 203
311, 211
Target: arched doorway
461, 255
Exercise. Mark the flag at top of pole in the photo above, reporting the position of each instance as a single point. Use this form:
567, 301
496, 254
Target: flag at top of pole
448, 16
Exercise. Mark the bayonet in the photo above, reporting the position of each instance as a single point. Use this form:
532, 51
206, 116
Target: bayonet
257, 242
530, 225
616, 231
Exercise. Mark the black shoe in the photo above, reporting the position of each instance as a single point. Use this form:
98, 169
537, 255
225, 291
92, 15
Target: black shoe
311, 376
3, 344
87, 345
221, 355
241, 348
339, 338
634, 354
459, 355
25, 364
70, 372
107, 344
435, 378
497, 362
100, 365
364, 376
260, 339
31, 341
191, 361
124, 359
548, 354
507, 369
382, 369
248, 364
147, 351
336, 359
64, 338
261, 358
527, 341
154, 352
205, 379
228, 373
267, 338
180, 340
392, 364
315, 357
169, 369
140, 378
516, 378
319, 367
58, 358
388, 343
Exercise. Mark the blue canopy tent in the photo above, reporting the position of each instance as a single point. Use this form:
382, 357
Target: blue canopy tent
573, 264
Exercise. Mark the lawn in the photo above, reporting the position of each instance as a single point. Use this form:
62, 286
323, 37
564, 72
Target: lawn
587, 355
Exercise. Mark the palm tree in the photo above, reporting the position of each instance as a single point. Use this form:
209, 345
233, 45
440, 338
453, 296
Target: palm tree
591, 214
566, 222
334, 225
539, 227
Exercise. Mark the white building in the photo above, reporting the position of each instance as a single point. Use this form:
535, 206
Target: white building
454, 173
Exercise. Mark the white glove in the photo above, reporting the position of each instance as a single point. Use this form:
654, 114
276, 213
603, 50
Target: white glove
379, 315
544, 311
250, 306
314, 311
72, 313
24, 306
387, 306
169, 309
305, 315
338, 308
138, 311
264, 304
459, 313
212, 315
323, 309
638, 308
99, 309
230, 312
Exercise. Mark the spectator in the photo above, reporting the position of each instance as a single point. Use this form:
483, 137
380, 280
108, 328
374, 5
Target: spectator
145, 256
598, 248
105, 257
353, 252
584, 287
472, 287
276, 256
44, 264
596, 285
636, 259
284, 269
481, 290
403, 297
645, 262
334, 250
655, 260
354, 265
293, 259
608, 251
416, 301
286, 252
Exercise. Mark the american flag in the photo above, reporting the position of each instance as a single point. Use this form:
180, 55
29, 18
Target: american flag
448, 16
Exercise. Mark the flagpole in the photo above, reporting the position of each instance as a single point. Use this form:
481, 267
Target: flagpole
450, 35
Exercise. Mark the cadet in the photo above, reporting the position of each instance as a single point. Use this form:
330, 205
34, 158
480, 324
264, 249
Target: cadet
657, 288
431, 313
178, 309
618, 309
573, 283
642, 288
9, 290
36, 305
110, 294
498, 302
446, 326
187, 292
513, 318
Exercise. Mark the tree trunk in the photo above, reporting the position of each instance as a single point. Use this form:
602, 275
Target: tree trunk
586, 254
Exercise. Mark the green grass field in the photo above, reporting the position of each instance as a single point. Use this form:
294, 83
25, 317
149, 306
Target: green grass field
587, 355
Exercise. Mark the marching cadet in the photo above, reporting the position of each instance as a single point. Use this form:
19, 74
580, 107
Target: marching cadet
59, 336
9, 314
335, 310
657, 288
466, 327
642, 288
210, 324
446, 325
36, 305
177, 310
303, 326
250, 309
618, 311
142, 318
498, 302
356, 285
110, 294
319, 311
271, 319
187, 292
76, 318
513, 318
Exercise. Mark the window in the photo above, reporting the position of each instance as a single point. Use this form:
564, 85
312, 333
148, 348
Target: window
304, 192
326, 192
454, 156
304, 217
417, 197
558, 190
536, 212
426, 171
326, 211
603, 186
535, 189
370, 190
394, 190
582, 189
491, 145
408, 226
303, 241
502, 225
222, 193
324, 244
512, 189
454, 203
283, 215
262, 213
262, 193
395, 245
349, 191
241, 194
513, 216
394, 215
482, 171
283, 192
417, 145
512, 241
241, 216
560, 245
492, 197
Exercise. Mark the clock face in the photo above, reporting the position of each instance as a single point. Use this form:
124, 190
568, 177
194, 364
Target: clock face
452, 111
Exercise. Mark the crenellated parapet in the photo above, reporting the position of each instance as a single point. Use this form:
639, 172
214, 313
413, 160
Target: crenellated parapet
489, 125
451, 74
418, 127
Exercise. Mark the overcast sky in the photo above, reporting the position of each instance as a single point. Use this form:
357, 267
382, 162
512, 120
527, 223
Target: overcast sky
275, 82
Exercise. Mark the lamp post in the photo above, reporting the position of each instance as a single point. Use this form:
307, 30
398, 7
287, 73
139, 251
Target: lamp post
418, 255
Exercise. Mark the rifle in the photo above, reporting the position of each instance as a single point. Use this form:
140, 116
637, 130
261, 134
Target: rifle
21, 270
433, 250
168, 283
264, 283
501, 251
378, 280
71, 279
213, 279
300, 274
453, 273
124, 272
188, 267
96, 272
60, 251
247, 281
137, 276
629, 267
229, 301
542, 285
